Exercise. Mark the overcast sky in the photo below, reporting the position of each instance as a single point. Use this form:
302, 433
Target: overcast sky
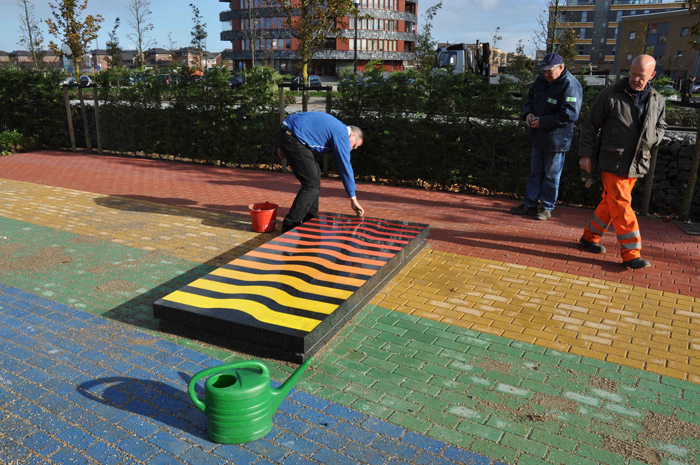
457, 21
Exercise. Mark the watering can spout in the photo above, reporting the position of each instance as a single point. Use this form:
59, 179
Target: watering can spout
281, 392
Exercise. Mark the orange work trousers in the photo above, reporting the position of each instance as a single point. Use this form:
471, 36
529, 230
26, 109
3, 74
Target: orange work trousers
616, 208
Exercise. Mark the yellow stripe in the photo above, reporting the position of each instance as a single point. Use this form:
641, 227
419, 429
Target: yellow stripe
254, 309
279, 296
284, 279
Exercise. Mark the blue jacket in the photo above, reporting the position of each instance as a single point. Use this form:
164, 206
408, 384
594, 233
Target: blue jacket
322, 132
557, 105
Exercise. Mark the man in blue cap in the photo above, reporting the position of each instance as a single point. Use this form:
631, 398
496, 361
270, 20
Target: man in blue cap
552, 108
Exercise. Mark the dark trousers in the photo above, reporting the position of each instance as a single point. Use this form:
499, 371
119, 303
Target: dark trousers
307, 171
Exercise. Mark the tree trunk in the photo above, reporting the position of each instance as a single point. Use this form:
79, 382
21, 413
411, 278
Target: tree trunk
304, 92
692, 180
86, 126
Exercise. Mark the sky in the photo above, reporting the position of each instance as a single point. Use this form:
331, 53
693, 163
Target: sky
457, 21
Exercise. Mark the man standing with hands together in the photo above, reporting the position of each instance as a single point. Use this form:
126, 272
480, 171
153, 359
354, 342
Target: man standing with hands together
552, 108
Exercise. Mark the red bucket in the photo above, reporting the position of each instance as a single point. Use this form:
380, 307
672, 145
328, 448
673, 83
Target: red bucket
264, 216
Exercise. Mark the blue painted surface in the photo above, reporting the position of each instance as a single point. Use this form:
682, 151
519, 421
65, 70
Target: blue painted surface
75, 388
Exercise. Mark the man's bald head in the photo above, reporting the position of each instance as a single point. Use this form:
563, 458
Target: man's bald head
642, 71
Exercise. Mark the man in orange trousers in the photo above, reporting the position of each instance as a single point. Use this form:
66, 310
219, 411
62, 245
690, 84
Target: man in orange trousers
625, 122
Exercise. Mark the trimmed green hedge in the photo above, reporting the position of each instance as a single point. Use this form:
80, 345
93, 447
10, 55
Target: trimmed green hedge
32, 104
440, 131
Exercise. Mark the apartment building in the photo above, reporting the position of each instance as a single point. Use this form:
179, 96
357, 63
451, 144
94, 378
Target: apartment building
596, 24
389, 36
665, 36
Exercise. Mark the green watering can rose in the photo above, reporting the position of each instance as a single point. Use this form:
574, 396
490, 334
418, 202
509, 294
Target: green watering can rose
238, 400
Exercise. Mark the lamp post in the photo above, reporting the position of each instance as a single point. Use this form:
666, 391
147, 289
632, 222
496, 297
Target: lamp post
356, 3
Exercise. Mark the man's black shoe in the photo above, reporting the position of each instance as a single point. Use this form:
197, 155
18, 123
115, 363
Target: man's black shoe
523, 209
592, 247
636, 263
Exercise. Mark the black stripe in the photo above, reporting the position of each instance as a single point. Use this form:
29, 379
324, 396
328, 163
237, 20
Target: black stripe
296, 274
293, 291
330, 258
336, 248
266, 301
315, 266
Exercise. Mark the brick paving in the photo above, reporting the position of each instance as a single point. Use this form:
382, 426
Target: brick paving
501, 342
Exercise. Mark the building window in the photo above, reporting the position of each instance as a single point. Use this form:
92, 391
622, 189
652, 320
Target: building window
653, 28
629, 57
662, 38
684, 32
633, 35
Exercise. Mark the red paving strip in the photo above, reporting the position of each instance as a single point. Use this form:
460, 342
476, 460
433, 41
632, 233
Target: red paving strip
461, 224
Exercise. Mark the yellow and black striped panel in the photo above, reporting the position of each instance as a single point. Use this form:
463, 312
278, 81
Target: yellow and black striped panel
293, 283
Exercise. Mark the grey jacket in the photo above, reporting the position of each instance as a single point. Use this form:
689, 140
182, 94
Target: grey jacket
611, 134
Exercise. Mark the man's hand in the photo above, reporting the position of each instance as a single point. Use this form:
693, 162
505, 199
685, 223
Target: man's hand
355, 205
528, 119
585, 164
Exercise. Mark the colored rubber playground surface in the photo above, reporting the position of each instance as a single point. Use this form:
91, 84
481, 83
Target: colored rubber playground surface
500, 343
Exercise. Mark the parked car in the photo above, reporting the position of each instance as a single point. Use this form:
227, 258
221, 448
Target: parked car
667, 91
235, 82
71, 82
695, 89
314, 82
85, 81
346, 83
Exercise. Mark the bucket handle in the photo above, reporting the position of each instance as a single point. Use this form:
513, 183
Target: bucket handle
218, 369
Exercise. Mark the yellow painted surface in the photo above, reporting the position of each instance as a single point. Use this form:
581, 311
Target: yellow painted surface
638, 327
254, 309
281, 297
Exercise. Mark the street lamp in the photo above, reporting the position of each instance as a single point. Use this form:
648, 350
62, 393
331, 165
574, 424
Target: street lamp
356, 3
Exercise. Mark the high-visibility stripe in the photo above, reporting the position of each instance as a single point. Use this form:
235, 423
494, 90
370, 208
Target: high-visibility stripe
601, 226
632, 245
629, 235
283, 279
254, 309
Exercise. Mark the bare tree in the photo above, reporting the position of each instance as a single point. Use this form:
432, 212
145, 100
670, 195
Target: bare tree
547, 24
496, 36
141, 25
30, 34
198, 33
253, 26
171, 47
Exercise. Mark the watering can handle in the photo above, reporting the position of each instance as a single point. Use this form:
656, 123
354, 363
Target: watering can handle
219, 369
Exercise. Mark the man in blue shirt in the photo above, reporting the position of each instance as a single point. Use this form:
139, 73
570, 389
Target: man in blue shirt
298, 138
552, 108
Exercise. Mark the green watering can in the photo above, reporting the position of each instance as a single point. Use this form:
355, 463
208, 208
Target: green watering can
238, 400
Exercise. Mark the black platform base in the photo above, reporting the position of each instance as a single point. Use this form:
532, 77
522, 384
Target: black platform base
287, 298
